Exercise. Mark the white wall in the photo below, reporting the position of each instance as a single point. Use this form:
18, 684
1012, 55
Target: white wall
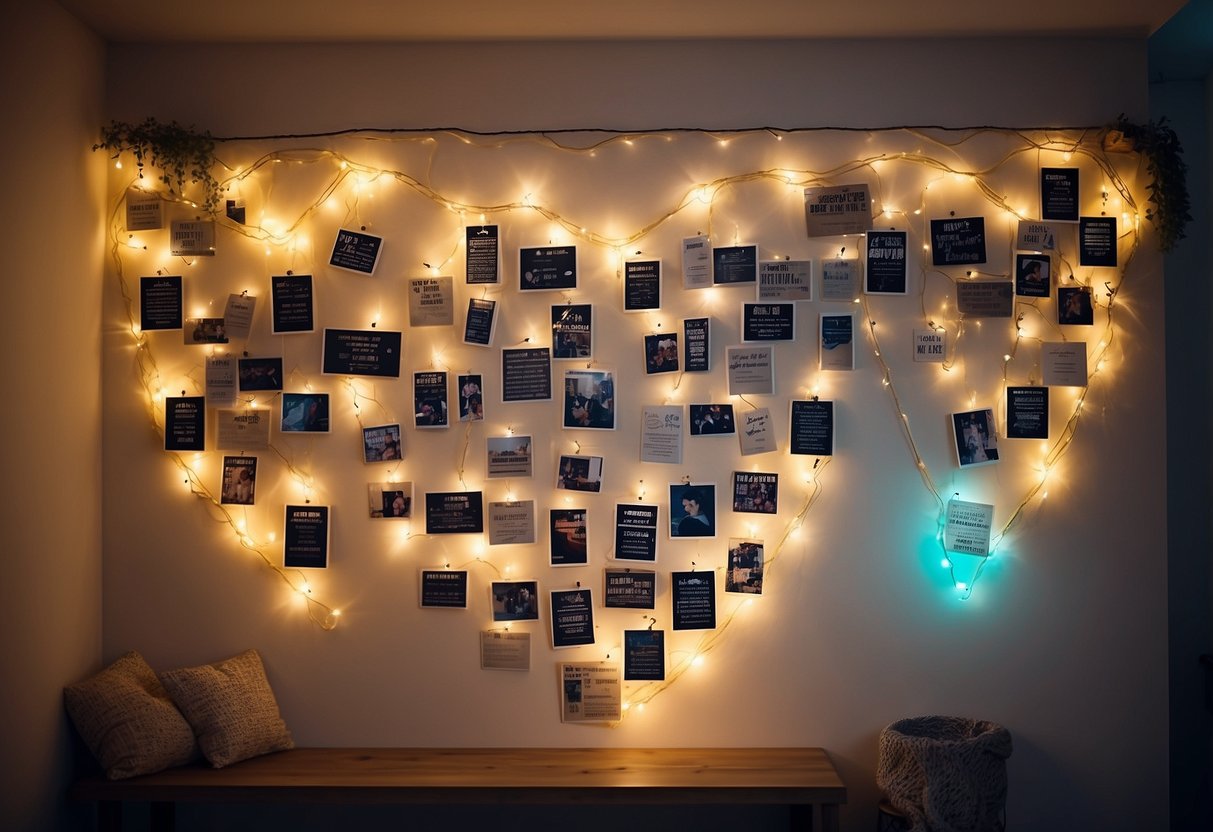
51, 512
1064, 640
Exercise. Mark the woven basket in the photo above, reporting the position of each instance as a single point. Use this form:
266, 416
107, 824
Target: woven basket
946, 773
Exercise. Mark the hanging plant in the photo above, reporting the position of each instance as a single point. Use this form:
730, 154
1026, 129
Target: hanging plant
1168, 188
183, 154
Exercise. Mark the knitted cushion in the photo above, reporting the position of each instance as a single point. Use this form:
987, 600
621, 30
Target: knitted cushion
231, 708
128, 721
946, 774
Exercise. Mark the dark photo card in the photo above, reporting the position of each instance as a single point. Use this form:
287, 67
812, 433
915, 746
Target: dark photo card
733, 265
697, 345
305, 413
712, 419
356, 251
292, 304
579, 473
1028, 412
444, 588
514, 600
589, 399
636, 532
1074, 306
694, 600
643, 655
480, 323
1097, 241
692, 509
526, 374
573, 330
755, 492
260, 374
454, 512
306, 537
430, 405
746, 565
768, 322
1059, 194
568, 530
471, 397
634, 589
362, 352
641, 285
812, 428
661, 353
185, 423
483, 254
572, 617
381, 443
1032, 278
958, 241
160, 302
885, 272
547, 268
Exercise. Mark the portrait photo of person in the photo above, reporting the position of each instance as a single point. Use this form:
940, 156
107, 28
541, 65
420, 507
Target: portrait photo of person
1074, 307
692, 510
1032, 276
976, 442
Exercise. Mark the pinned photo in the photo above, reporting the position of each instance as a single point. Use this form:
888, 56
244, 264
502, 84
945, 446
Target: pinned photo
661, 353
976, 443
692, 509
589, 399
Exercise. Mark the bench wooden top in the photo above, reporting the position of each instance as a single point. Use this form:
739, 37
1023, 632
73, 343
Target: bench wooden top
491, 775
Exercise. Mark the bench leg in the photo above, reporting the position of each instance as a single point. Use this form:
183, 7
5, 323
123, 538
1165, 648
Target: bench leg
163, 817
109, 816
829, 817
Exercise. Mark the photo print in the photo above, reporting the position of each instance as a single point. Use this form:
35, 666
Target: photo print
976, 442
256, 374
239, 481
392, 500
568, 536
755, 493
381, 444
661, 353
204, 331
471, 397
305, 413
515, 600
1032, 276
746, 561
508, 456
712, 419
692, 509
429, 400
573, 330
589, 399
1074, 306
579, 473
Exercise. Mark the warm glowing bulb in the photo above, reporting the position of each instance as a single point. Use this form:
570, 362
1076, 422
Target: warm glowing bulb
945, 563
697, 661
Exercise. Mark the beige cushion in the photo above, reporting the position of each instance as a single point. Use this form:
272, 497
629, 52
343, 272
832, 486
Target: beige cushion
231, 708
128, 721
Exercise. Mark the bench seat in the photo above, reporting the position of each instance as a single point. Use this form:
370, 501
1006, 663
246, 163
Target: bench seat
801, 778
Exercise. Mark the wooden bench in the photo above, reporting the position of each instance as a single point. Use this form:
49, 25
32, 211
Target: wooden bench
801, 778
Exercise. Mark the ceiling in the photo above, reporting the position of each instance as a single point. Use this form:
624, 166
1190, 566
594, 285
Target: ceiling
285, 21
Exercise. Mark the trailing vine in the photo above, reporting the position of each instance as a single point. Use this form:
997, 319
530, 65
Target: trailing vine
1168, 186
184, 155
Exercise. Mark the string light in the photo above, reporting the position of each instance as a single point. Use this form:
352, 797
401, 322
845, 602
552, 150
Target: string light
287, 237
